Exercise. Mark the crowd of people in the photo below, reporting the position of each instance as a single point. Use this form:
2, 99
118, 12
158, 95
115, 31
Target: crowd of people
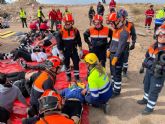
112, 42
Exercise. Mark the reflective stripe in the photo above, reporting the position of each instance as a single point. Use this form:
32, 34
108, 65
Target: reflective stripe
149, 106
117, 83
145, 94
94, 95
152, 102
115, 39
50, 93
105, 90
71, 38
98, 36
37, 89
100, 88
76, 73
67, 72
116, 87
152, 55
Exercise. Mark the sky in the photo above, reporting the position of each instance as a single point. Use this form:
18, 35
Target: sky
95, 1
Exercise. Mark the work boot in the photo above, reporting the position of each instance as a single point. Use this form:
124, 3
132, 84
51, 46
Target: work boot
115, 95
106, 108
124, 72
69, 78
147, 111
142, 102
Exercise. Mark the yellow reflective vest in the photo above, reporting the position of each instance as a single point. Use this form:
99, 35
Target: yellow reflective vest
22, 14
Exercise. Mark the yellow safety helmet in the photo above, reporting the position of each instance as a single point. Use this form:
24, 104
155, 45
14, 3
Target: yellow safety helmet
91, 58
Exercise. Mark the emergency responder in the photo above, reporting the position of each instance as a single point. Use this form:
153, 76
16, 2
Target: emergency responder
42, 80
132, 39
68, 39
22, 15
49, 105
40, 15
99, 35
117, 47
99, 89
153, 82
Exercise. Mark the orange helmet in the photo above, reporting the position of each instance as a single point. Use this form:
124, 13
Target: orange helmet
55, 61
33, 26
50, 100
161, 30
68, 18
43, 26
98, 17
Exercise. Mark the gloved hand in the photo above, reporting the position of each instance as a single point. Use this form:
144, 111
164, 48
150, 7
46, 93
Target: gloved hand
141, 70
108, 53
114, 60
132, 47
80, 54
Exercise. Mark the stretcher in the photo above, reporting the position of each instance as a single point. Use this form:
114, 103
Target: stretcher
19, 110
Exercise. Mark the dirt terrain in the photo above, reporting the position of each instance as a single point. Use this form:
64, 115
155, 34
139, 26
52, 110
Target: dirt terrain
124, 109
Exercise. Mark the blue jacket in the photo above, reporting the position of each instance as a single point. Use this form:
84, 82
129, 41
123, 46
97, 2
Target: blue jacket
159, 21
73, 92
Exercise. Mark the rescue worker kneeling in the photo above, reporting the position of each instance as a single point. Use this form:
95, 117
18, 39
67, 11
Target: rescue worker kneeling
50, 105
155, 73
68, 39
99, 89
44, 80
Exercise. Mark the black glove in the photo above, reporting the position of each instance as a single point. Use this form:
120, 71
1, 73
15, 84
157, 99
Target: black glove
141, 70
132, 47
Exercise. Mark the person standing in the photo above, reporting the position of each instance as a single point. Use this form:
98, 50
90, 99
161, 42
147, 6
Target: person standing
149, 15
99, 35
22, 15
68, 39
59, 19
100, 9
155, 72
112, 6
91, 14
40, 15
53, 18
67, 11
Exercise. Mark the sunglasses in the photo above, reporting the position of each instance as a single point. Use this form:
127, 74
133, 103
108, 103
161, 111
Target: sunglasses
161, 35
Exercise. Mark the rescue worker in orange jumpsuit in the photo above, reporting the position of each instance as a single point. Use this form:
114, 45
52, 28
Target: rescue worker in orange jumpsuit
116, 49
98, 41
49, 105
43, 80
67, 41
154, 63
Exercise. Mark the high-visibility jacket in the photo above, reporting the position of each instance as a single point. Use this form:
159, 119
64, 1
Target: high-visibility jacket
41, 79
69, 39
22, 14
55, 119
151, 55
119, 41
160, 17
99, 86
99, 37
39, 13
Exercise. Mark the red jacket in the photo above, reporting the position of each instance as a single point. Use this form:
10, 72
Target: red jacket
112, 4
59, 16
149, 13
53, 15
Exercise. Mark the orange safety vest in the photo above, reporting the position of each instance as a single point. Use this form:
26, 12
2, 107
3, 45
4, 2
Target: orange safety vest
38, 83
94, 33
68, 35
55, 119
129, 26
116, 34
153, 52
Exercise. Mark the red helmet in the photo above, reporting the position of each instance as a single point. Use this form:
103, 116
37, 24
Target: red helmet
33, 26
112, 17
43, 26
98, 17
55, 60
161, 30
68, 18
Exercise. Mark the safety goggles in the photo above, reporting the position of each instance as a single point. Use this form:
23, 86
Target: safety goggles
69, 23
161, 35
160, 32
